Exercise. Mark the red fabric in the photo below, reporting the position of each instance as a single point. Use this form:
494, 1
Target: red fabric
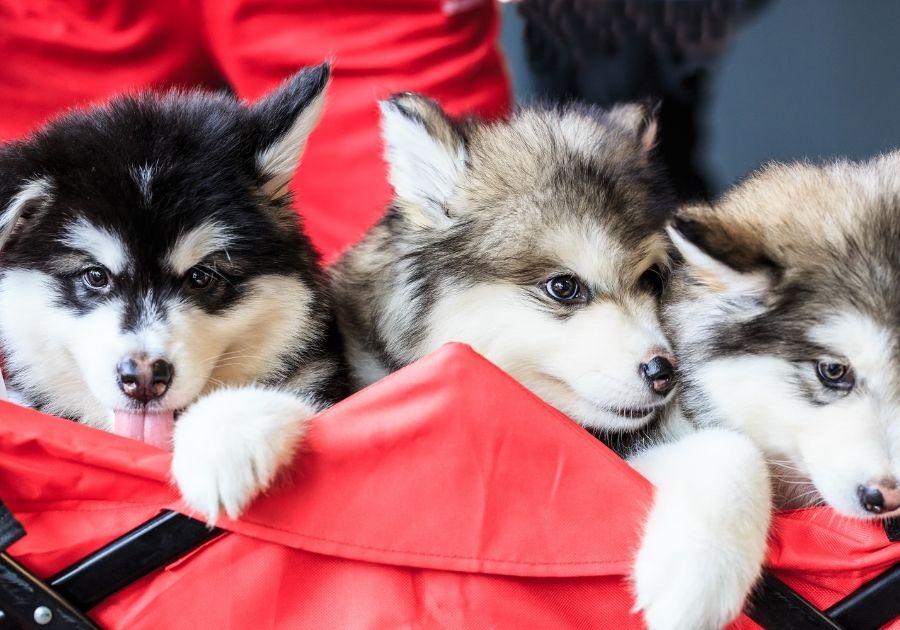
378, 48
63, 53
445, 495
59, 54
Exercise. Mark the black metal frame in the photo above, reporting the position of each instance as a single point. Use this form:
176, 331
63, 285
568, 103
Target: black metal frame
150, 546
774, 605
23, 597
78, 588
65, 597
869, 607
872, 605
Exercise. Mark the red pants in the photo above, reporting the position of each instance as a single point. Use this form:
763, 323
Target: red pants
63, 53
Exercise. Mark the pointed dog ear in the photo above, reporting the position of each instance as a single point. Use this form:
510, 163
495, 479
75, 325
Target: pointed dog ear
286, 117
714, 261
426, 156
27, 198
640, 120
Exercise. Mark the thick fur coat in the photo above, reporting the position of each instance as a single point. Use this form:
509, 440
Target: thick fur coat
153, 268
786, 317
539, 240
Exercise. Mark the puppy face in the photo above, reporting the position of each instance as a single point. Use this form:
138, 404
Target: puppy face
787, 320
536, 240
151, 252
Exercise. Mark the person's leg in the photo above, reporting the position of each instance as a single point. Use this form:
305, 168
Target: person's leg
377, 47
64, 53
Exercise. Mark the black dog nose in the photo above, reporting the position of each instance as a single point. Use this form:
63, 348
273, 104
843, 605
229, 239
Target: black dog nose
883, 496
143, 379
871, 499
660, 374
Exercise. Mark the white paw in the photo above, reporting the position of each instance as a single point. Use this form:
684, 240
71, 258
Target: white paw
705, 538
230, 445
684, 582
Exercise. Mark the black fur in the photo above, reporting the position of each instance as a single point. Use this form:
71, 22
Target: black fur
202, 149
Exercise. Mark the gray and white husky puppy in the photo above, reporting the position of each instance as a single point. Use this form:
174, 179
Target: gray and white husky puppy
786, 317
540, 242
154, 281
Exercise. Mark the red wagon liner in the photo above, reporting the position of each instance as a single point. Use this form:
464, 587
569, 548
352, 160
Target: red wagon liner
444, 496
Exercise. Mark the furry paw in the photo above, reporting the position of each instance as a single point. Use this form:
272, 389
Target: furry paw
684, 583
230, 445
705, 538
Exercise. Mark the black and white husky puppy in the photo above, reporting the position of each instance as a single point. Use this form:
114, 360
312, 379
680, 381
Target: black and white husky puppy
787, 319
154, 281
540, 241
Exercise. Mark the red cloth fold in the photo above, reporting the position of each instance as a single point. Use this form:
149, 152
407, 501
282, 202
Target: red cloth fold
445, 495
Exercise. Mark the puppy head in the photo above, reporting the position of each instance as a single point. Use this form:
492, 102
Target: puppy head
787, 316
151, 252
538, 240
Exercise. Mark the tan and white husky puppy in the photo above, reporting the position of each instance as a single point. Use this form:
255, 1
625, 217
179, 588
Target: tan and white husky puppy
540, 241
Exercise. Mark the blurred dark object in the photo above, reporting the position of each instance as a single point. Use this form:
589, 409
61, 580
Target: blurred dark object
604, 51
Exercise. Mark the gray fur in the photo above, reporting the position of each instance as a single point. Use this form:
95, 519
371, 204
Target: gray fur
798, 246
488, 219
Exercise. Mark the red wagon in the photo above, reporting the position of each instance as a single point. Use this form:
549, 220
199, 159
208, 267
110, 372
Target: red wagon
444, 496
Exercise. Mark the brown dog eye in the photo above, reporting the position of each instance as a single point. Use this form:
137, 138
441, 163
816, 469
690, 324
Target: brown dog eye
566, 289
835, 375
96, 278
199, 277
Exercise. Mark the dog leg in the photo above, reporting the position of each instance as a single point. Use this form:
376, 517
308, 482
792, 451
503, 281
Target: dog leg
230, 445
705, 537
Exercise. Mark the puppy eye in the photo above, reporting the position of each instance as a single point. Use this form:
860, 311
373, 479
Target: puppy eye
654, 279
199, 277
835, 375
566, 289
95, 278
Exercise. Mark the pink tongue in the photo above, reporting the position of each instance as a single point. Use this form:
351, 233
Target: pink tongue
154, 428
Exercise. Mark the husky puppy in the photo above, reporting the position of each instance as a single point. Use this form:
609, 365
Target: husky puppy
496, 237
153, 269
787, 321
540, 242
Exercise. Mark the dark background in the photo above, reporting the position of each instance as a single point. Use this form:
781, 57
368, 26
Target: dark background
796, 79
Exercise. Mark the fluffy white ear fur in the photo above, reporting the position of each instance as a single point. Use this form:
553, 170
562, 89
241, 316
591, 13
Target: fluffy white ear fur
423, 169
718, 276
32, 192
278, 161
